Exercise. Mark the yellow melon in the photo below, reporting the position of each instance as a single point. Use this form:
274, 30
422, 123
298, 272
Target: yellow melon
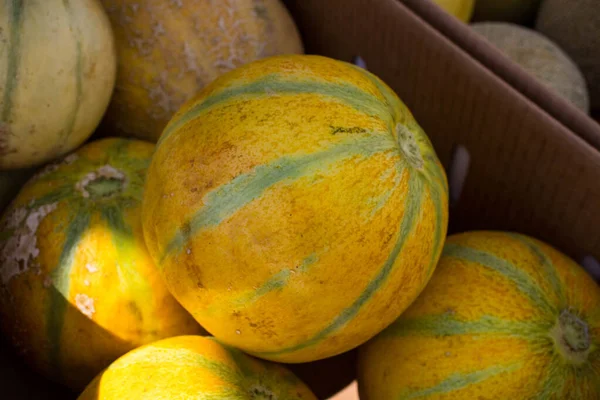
77, 286
295, 207
194, 368
461, 9
505, 316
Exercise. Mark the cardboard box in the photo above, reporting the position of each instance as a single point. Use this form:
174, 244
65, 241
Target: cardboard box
518, 157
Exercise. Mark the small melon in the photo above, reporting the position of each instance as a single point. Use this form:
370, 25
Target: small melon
57, 74
540, 57
461, 9
169, 50
517, 11
575, 26
194, 368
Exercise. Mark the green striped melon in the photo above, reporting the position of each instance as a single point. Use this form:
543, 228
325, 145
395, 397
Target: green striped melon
77, 286
505, 316
194, 368
57, 73
295, 207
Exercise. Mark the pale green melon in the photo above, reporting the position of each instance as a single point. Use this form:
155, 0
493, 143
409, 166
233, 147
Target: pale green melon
517, 11
575, 26
540, 57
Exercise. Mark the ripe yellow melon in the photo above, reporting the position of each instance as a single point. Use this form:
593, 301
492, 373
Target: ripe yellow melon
505, 316
77, 286
295, 207
57, 73
540, 57
170, 49
194, 368
461, 9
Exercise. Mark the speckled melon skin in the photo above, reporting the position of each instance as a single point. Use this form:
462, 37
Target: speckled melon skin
540, 57
575, 26
505, 316
57, 74
295, 207
77, 285
168, 50
194, 368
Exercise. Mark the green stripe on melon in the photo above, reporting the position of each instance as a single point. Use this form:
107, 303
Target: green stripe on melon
226, 200
271, 84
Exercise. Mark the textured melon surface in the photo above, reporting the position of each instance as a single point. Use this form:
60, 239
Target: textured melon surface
517, 11
540, 57
575, 26
170, 49
194, 368
461, 9
77, 285
57, 73
295, 207
504, 317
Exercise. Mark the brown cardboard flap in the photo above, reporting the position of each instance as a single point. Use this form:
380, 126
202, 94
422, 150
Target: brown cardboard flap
461, 34
528, 172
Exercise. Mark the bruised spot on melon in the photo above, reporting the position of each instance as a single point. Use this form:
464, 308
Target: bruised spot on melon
19, 250
106, 181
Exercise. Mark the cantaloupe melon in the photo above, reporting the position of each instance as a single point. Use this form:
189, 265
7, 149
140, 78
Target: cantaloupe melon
505, 316
170, 49
540, 57
77, 286
194, 368
516, 11
575, 26
295, 207
57, 73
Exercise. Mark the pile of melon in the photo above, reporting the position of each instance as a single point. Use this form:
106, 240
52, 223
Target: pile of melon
556, 41
193, 209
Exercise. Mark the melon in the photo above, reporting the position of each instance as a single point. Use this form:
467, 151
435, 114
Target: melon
10, 184
540, 57
295, 207
505, 316
516, 11
77, 286
461, 9
575, 26
57, 74
169, 50
191, 368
